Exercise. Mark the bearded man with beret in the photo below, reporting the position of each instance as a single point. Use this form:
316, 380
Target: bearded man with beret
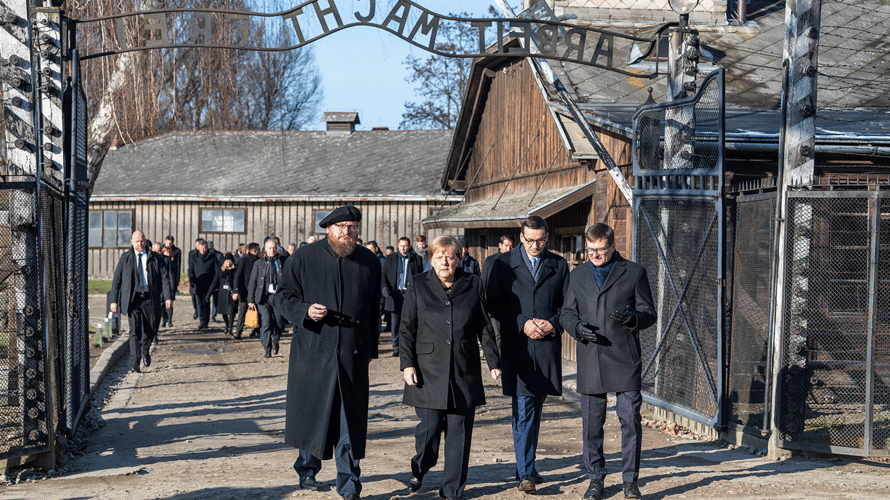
330, 290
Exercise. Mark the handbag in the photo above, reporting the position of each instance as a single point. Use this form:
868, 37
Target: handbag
252, 318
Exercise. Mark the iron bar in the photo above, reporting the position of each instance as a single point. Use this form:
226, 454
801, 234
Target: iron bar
561, 147
516, 170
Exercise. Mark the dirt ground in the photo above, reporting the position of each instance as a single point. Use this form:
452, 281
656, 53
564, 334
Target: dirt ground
206, 422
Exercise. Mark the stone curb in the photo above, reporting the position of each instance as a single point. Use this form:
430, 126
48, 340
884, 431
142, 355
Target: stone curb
106, 361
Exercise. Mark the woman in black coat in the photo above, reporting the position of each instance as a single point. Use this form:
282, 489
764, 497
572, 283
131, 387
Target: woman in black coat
443, 323
225, 305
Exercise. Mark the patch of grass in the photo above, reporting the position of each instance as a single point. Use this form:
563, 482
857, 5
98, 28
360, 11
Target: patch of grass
98, 287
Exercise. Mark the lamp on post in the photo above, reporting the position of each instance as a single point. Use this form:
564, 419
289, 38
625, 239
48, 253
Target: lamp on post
683, 7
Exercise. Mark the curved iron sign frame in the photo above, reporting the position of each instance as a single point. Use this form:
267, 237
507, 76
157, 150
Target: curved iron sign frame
311, 21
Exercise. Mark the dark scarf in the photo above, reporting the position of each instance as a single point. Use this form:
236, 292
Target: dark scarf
601, 273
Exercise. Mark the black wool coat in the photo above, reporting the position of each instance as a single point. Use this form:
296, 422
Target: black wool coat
203, 274
242, 275
329, 358
224, 302
393, 296
613, 365
123, 285
531, 367
258, 286
175, 265
440, 335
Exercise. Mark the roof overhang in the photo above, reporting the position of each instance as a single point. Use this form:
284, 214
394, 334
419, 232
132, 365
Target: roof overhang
510, 210
272, 199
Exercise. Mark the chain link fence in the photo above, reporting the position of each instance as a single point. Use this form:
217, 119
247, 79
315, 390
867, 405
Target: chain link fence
750, 240
835, 377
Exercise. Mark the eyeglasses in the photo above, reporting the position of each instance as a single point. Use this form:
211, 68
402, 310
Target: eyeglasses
537, 243
593, 251
346, 226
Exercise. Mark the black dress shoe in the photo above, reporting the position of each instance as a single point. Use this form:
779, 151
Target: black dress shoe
537, 477
351, 496
415, 483
595, 490
146, 358
308, 483
195, 316
135, 369
267, 355
527, 485
442, 495
274, 348
631, 490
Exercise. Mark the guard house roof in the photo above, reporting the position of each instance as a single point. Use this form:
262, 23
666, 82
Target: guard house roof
853, 64
276, 164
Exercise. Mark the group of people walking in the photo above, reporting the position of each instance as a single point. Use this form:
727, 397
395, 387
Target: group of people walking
444, 308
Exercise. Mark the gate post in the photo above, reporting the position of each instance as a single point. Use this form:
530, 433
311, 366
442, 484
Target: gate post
796, 168
27, 371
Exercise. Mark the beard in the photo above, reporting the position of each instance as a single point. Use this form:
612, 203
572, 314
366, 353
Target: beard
342, 248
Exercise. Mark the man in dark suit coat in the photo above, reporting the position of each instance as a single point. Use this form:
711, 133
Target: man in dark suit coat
265, 279
141, 289
330, 289
608, 303
203, 276
242, 277
526, 289
398, 269
505, 244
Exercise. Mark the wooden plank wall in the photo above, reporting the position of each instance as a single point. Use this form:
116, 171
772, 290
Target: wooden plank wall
514, 114
383, 221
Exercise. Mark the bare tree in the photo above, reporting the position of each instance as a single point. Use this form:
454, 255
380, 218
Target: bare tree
136, 95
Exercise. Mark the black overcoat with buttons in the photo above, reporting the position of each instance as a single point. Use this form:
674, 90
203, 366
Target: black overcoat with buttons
329, 358
440, 335
531, 367
613, 365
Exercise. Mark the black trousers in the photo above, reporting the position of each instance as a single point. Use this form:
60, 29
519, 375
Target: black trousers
457, 424
348, 467
239, 323
271, 326
142, 327
593, 416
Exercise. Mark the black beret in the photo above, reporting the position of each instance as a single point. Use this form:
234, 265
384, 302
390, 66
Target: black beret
229, 256
346, 213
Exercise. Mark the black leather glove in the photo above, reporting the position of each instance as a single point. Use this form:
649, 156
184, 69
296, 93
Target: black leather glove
627, 318
585, 332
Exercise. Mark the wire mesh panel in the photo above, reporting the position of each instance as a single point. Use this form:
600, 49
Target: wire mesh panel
678, 243
678, 237
684, 136
23, 396
52, 234
881, 339
827, 304
751, 284
77, 335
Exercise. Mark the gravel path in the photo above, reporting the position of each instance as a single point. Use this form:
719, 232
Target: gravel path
206, 422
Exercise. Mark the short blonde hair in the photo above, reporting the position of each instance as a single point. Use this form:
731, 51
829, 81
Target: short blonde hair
443, 242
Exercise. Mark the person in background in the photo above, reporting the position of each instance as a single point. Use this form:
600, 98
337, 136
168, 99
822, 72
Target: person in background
505, 244
372, 246
422, 251
389, 250
176, 264
192, 254
265, 278
443, 324
140, 289
226, 291
167, 254
398, 270
242, 278
467, 262
203, 270
608, 303
291, 248
218, 256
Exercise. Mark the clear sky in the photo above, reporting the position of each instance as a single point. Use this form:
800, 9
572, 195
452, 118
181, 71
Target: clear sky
362, 67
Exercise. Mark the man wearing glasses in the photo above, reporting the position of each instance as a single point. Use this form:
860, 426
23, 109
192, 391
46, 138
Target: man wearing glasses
608, 303
525, 291
330, 290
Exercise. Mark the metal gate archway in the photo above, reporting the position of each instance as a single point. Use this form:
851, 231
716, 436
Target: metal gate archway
678, 160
